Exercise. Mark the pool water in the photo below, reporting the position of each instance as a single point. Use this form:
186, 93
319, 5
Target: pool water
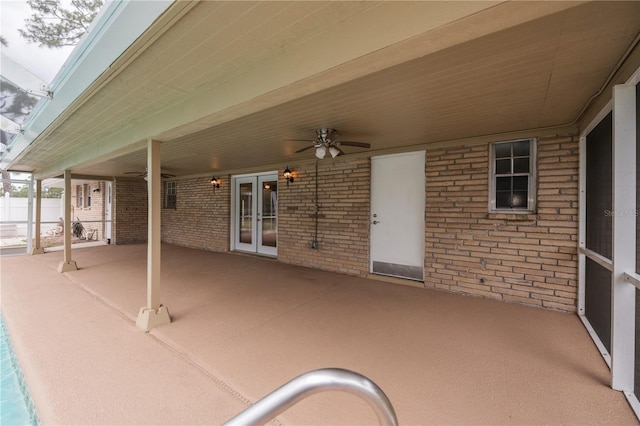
16, 407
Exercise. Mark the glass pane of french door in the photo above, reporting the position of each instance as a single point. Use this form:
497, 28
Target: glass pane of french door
269, 212
245, 213
256, 213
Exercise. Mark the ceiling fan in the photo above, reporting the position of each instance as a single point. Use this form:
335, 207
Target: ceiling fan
144, 174
327, 140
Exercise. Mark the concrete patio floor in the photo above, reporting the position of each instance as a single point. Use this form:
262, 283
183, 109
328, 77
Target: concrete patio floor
243, 326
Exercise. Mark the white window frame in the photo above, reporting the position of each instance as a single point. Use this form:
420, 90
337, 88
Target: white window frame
533, 164
170, 187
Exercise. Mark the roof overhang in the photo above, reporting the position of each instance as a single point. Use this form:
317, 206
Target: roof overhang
224, 85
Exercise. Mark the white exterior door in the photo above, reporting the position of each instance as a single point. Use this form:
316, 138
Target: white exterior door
397, 215
256, 214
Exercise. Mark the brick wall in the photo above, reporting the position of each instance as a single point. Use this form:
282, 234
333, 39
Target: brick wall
343, 216
201, 217
92, 217
130, 213
530, 259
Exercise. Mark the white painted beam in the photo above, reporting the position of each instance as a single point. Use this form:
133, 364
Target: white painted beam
624, 235
67, 264
37, 249
154, 313
9, 126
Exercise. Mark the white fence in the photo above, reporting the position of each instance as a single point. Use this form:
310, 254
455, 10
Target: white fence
14, 215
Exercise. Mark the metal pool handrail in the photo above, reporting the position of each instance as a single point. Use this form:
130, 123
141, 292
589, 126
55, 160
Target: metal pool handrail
326, 379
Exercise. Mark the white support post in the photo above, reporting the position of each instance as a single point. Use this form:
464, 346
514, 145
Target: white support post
30, 215
624, 234
67, 264
154, 313
37, 249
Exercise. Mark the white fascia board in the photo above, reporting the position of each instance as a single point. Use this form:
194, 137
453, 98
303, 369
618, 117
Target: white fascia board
115, 28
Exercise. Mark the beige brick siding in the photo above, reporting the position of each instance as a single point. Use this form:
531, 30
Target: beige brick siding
91, 217
201, 217
130, 211
343, 216
530, 259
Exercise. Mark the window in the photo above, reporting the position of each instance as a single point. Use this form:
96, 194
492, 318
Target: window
169, 195
512, 185
87, 195
79, 196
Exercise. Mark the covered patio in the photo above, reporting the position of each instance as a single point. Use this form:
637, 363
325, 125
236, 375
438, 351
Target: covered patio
243, 325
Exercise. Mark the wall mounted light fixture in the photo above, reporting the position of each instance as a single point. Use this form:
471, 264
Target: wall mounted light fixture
288, 175
215, 183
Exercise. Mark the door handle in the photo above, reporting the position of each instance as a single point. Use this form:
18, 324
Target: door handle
375, 222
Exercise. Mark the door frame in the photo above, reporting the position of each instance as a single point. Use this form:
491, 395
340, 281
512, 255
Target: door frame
233, 244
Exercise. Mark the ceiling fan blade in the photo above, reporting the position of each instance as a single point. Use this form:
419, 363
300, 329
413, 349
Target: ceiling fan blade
301, 140
167, 175
134, 173
351, 143
306, 148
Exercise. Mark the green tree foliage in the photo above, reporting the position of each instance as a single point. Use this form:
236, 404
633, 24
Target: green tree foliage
52, 192
53, 26
22, 191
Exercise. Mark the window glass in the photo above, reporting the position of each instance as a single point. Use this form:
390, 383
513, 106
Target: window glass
503, 184
503, 166
521, 148
520, 183
87, 195
511, 181
503, 199
503, 150
79, 196
521, 165
519, 199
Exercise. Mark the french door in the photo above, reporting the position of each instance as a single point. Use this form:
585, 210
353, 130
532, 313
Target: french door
255, 214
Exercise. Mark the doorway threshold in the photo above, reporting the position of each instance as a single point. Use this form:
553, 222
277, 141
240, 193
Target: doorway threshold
396, 280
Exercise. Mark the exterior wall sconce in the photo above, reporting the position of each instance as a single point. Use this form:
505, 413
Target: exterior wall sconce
215, 183
288, 175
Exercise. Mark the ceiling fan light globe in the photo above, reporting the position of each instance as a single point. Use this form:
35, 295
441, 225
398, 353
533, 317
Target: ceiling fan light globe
321, 152
334, 152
